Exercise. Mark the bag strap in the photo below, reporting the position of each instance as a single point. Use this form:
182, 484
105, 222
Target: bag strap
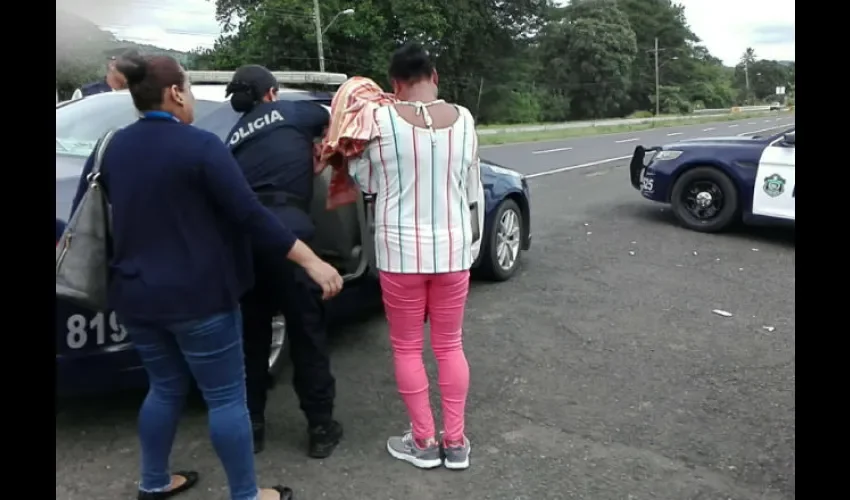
99, 150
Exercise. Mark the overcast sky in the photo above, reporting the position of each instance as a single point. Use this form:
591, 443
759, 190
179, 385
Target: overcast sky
727, 27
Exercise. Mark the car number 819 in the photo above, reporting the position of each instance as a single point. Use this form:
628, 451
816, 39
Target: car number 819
80, 329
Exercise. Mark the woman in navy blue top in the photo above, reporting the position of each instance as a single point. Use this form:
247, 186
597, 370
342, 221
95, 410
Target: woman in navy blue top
184, 222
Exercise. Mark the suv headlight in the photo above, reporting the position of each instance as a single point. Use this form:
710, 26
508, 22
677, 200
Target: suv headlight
506, 171
667, 154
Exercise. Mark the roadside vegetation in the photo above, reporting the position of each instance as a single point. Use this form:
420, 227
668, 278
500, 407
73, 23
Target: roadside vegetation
485, 52
568, 133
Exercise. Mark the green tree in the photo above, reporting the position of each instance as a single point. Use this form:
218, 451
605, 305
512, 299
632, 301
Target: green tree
519, 61
472, 41
765, 76
80, 47
591, 49
664, 20
710, 83
744, 75
79, 52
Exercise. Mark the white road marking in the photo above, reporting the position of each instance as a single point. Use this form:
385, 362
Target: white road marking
628, 140
708, 129
671, 134
751, 123
767, 121
576, 167
619, 158
733, 126
550, 151
760, 130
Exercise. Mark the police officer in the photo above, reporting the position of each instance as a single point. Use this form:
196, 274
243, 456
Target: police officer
273, 143
113, 80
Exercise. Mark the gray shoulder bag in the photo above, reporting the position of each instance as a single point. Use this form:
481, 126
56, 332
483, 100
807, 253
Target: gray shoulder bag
82, 265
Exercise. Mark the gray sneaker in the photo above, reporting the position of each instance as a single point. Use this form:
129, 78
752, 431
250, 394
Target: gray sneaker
457, 457
404, 448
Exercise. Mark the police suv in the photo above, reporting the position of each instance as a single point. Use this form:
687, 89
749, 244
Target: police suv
713, 182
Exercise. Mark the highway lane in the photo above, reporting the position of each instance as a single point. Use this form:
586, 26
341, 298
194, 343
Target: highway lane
599, 372
533, 158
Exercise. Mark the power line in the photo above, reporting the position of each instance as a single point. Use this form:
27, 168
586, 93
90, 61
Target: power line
155, 7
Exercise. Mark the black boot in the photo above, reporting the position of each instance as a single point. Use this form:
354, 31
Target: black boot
324, 438
258, 428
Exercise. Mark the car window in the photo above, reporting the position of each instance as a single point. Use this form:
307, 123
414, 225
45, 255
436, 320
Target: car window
219, 121
79, 124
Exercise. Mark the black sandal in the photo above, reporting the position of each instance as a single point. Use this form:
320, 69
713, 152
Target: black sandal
191, 480
285, 493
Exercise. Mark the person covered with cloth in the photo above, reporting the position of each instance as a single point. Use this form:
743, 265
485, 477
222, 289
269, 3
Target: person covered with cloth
184, 221
273, 142
349, 132
421, 162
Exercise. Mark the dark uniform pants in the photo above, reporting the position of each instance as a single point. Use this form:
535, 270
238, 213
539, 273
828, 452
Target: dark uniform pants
284, 287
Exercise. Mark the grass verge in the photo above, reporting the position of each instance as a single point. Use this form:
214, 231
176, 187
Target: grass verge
568, 133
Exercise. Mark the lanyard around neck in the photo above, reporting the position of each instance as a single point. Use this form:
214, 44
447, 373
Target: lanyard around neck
159, 115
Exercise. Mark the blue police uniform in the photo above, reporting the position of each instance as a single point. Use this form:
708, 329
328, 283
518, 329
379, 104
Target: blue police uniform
98, 87
273, 143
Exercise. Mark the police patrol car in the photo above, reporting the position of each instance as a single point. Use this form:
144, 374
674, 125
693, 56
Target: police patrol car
711, 183
93, 352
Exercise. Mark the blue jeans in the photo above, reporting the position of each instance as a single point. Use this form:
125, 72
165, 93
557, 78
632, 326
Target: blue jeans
210, 350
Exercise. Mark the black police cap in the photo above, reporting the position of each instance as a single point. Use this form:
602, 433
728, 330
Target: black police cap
117, 52
252, 77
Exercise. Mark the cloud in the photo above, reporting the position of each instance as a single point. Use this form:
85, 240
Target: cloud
776, 34
728, 27
184, 26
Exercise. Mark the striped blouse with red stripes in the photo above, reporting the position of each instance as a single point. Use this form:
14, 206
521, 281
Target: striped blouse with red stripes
424, 181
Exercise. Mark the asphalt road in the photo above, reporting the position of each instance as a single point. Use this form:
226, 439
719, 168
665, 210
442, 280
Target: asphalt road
599, 372
534, 158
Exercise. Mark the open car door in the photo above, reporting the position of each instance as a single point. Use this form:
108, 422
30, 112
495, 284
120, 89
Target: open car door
344, 235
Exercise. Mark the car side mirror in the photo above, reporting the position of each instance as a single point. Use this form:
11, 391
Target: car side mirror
789, 138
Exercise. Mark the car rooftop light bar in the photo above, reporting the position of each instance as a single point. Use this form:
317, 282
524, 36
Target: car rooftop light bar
283, 77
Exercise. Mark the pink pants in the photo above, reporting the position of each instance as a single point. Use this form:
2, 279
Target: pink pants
408, 298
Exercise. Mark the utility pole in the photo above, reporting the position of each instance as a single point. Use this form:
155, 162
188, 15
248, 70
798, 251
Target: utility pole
657, 82
478, 104
317, 18
747, 79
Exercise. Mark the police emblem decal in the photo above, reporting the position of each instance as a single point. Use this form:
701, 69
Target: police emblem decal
774, 185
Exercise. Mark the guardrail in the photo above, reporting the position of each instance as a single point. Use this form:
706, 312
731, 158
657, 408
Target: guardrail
705, 113
736, 109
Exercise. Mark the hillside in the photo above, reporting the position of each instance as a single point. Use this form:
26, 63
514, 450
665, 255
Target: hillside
80, 47
144, 48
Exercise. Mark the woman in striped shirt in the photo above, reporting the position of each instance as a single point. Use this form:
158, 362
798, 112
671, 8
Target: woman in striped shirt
423, 168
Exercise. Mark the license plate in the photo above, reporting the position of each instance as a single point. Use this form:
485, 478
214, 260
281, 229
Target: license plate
93, 330
647, 184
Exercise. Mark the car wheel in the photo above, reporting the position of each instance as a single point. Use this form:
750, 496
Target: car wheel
704, 199
280, 349
502, 253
